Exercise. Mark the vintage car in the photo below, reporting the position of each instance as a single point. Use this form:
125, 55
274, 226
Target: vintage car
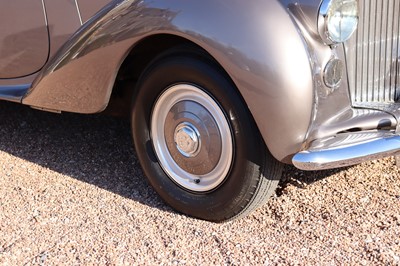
222, 93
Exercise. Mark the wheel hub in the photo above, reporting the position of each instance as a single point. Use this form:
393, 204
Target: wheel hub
193, 137
187, 139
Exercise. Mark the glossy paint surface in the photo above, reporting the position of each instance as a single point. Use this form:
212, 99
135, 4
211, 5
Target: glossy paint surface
63, 20
88, 8
24, 42
33, 31
269, 64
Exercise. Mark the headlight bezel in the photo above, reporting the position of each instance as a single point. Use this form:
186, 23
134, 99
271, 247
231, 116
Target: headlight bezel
323, 22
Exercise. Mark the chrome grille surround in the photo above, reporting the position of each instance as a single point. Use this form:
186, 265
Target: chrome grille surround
372, 55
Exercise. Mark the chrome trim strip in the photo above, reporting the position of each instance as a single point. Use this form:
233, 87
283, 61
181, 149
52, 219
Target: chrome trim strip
79, 12
348, 155
322, 22
45, 14
13, 93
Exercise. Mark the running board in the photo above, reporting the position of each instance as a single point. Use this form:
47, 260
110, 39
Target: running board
14, 93
347, 149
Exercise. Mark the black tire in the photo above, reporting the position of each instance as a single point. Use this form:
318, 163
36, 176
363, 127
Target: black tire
253, 173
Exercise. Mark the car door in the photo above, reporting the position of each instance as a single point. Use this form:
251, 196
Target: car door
24, 38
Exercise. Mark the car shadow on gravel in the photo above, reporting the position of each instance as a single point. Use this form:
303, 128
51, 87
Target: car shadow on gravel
301, 179
95, 149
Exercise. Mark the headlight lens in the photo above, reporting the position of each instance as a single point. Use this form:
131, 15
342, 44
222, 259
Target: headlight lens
338, 20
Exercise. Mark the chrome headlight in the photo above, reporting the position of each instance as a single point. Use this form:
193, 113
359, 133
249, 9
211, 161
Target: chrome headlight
337, 20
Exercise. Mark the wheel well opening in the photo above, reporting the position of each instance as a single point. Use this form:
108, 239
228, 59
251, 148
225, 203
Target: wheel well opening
140, 56
134, 64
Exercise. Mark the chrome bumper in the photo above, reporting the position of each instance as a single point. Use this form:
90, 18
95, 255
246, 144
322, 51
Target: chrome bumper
347, 149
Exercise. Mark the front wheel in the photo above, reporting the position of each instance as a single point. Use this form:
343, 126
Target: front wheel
197, 142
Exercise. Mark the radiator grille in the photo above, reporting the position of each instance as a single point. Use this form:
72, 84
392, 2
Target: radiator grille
372, 54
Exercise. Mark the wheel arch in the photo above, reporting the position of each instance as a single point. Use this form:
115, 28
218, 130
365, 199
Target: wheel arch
147, 50
269, 65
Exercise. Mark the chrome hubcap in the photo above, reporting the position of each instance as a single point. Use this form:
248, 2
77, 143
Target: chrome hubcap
191, 138
187, 139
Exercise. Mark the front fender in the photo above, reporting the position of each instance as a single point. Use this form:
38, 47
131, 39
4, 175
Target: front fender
257, 44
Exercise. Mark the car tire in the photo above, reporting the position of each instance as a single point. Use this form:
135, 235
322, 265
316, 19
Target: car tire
196, 140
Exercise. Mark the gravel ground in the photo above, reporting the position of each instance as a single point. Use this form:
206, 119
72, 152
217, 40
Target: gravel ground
72, 192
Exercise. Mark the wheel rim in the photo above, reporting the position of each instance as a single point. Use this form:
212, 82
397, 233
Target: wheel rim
191, 138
